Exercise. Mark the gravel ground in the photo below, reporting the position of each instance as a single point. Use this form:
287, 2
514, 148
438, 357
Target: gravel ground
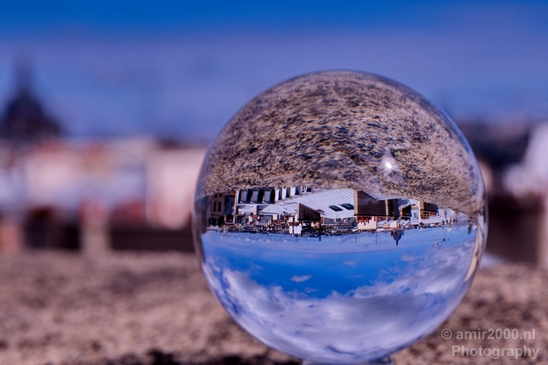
59, 308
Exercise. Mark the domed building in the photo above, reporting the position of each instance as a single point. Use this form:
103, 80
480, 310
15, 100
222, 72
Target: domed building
24, 119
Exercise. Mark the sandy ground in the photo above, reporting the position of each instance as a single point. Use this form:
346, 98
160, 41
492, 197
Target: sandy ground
131, 309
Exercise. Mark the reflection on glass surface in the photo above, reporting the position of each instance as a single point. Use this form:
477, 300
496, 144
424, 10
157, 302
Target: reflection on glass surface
339, 217
334, 272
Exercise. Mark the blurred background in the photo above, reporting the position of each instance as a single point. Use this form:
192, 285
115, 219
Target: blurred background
107, 107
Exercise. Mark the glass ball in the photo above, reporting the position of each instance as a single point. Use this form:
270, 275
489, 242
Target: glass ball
339, 217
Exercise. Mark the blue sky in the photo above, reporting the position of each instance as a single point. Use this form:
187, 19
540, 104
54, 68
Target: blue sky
138, 15
345, 286
183, 68
125, 16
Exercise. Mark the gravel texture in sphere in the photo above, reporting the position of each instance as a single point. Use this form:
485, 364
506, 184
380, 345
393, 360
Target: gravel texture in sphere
337, 129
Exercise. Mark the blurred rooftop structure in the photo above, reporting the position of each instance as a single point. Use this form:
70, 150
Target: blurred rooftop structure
24, 119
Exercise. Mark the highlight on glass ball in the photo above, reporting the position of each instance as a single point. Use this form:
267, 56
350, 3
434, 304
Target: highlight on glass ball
340, 217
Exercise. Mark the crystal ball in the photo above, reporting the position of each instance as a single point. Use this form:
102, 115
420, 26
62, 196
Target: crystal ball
339, 217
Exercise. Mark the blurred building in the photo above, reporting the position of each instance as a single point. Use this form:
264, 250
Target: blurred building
512, 157
95, 195
126, 185
24, 118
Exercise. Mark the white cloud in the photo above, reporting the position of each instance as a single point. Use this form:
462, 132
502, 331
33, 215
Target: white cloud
300, 279
367, 322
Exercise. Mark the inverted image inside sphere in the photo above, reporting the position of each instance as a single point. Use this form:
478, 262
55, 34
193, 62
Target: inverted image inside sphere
344, 129
339, 217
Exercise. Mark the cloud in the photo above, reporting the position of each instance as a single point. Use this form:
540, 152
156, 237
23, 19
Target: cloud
408, 301
300, 279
